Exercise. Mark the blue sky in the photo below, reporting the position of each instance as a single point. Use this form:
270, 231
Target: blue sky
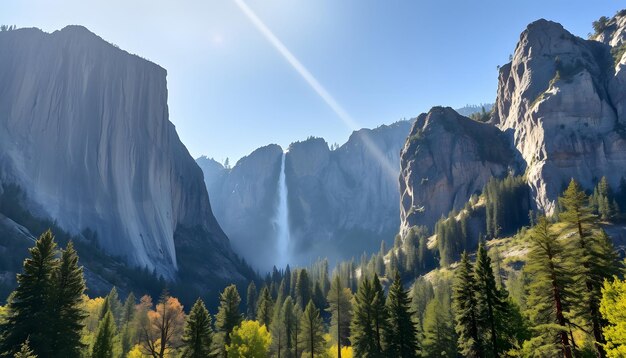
231, 91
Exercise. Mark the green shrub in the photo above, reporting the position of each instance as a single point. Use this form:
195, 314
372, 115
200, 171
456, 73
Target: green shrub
600, 25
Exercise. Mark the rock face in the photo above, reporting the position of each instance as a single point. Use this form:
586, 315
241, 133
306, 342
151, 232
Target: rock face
341, 201
560, 108
345, 199
446, 159
244, 200
562, 101
84, 132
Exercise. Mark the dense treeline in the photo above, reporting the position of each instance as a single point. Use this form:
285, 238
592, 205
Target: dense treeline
112, 269
49, 315
507, 205
565, 305
569, 260
452, 237
504, 205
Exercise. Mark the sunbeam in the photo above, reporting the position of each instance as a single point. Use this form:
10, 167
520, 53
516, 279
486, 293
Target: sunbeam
317, 87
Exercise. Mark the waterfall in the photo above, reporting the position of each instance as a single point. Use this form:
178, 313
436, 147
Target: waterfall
281, 220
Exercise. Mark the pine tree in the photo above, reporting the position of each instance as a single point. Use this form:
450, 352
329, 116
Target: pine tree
128, 310
312, 341
30, 316
289, 323
379, 264
303, 289
278, 332
228, 316
422, 293
251, 301
264, 307
466, 309
341, 313
282, 294
128, 330
25, 351
198, 335
116, 305
594, 252
401, 334
67, 311
297, 330
103, 346
602, 199
549, 294
489, 300
392, 265
381, 316
319, 299
364, 340
439, 336
128, 336
106, 307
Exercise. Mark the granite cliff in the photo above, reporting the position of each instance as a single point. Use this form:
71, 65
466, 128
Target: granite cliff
560, 98
244, 199
85, 134
446, 159
559, 114
341, 200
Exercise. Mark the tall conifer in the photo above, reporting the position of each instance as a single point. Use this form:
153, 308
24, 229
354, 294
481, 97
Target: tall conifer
401, 336
363, 330
68, 313
489, 300
30, 307
103, 346
595, 254
549, 293
228, 316
264, 307
466, 309
198, 334
312, 331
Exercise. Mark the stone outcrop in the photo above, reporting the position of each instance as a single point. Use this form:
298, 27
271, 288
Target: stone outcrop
561, 101
446, 159
84, 131
560, 112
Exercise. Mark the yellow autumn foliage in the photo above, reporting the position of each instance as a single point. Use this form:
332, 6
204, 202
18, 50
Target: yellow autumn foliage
135, 352
250, 339
613, 309
331, 352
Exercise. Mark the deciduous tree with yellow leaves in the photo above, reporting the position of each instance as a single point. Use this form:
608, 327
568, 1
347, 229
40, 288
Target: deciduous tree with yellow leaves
613, 309
250, 339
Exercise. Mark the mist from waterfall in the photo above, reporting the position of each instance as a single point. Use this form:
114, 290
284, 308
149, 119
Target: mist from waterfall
281, 219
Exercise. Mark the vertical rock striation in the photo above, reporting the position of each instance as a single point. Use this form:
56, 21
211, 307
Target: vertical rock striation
84, 131
244, 200
341, 201
560, 99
